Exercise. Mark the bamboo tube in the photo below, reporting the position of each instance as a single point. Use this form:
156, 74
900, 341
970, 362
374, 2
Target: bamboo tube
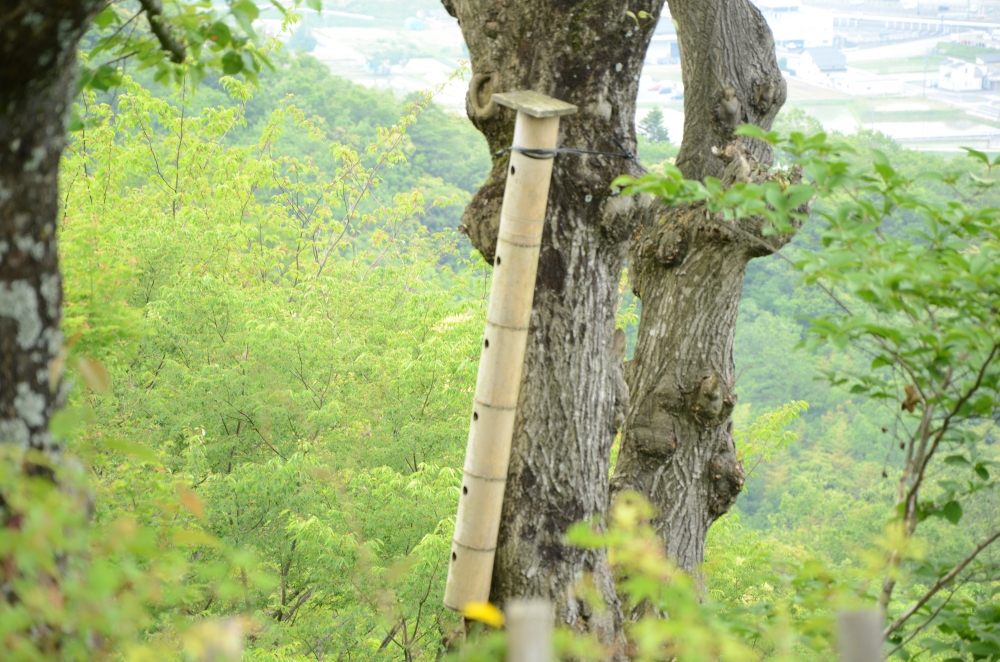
529, 631
488, 451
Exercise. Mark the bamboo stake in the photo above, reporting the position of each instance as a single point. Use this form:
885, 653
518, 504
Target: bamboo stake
487, 454
529, 631
860, 635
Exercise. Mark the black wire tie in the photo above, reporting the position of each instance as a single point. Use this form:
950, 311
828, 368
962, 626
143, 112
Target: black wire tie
542, 154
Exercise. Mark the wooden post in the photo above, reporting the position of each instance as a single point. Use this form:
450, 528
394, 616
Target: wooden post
860, 634
529, 631
488, 451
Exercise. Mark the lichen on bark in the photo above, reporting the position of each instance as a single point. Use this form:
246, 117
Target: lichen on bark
38, 71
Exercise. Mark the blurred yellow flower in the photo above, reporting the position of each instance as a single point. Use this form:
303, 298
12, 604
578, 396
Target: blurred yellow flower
484, 612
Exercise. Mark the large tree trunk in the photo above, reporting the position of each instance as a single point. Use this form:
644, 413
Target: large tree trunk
38, 42
588, 53
687, 266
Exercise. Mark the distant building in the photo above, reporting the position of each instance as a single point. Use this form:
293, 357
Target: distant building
795, 25
991, 61
961, 76
827, 66
788, 61
861, 83
664, 47
821, 65
991, 64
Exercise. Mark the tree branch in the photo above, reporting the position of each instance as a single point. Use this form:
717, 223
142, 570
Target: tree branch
154, 14
298, 603
980, 375
939, 584
927, 622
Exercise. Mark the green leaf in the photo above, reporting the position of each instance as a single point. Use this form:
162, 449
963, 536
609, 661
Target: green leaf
104, 78
75, 122
138, 451
232, 63
799, 194
754, 131
247, 8
315, 4
983, 648
219, 34
249, 65
952, 512
956, 459
106, 17
880, 361
162, 74
621, 181
66, 423
936, 646
976, 154
982, 471
949, 485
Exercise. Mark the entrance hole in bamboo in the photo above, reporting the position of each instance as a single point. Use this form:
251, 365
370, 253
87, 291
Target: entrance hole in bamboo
475, 416
512, 171
486, 343
498, 261
465, 490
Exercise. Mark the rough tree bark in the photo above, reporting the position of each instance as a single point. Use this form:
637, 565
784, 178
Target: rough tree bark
588, 53
687, 266
38, 73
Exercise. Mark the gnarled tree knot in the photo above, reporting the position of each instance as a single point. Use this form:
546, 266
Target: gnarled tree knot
726, 478
766, 91
481, 220
739, 163
714, 401
672, 245
728, 112
479, 100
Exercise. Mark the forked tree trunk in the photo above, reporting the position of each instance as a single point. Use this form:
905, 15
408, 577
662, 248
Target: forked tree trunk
588, 53
38, 72
678, 447
687, 266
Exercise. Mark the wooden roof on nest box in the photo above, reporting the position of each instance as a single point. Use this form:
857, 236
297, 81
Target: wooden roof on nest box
534, 104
